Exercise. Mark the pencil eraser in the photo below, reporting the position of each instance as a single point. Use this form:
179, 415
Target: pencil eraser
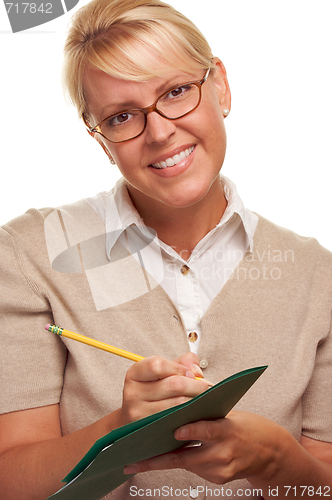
47, 327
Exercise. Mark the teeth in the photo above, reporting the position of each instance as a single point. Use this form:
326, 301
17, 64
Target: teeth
170, 162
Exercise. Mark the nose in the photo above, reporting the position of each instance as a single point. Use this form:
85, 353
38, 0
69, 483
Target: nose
158, 129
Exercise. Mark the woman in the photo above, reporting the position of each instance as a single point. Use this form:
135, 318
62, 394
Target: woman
169, 261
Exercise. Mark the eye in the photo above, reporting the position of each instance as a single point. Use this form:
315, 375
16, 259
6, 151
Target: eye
178, 92
120, 119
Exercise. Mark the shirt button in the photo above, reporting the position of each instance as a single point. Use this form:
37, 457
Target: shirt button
193, 493
192, 337
185, 269
203, 363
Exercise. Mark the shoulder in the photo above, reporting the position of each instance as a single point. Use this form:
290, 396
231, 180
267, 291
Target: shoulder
32, 218
26, 230
270, 233
304, 252
40, 235
32, 223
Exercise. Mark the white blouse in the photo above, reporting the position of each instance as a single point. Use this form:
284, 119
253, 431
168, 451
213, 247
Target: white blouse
191, 284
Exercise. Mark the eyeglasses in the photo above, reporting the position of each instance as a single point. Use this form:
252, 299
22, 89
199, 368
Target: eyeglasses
173, 104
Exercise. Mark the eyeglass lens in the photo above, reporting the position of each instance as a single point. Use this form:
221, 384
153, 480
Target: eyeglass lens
131, 123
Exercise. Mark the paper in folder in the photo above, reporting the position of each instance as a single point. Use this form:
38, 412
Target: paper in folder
101, 470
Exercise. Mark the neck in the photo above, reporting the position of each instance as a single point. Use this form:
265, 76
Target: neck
182, 228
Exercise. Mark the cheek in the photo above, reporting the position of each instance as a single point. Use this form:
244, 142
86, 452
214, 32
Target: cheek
115, 150
215, 118
213, 127
211, 118
126, 156
215, 146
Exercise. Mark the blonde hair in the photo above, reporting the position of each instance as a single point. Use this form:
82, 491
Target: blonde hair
133, 40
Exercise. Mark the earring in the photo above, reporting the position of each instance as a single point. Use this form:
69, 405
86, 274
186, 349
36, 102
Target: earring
225, 112
111, 159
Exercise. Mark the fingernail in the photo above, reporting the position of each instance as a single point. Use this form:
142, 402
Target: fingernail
181, 433
197, 371
131, 469
190, 374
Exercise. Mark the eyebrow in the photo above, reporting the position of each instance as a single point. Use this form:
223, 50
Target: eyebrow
122, 107
164, 87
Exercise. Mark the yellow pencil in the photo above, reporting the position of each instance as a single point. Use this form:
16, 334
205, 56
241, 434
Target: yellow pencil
96, 343
93, 343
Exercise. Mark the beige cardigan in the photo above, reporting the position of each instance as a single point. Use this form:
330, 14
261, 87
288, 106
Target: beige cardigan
275, 309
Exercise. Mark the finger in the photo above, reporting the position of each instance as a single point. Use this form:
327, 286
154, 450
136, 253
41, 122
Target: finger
155, 368
173, 460
151, 407
185, 458
145, 398
201, 461
204, 430
191, 361
169, 388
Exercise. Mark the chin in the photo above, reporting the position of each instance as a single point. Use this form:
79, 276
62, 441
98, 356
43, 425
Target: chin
187, 198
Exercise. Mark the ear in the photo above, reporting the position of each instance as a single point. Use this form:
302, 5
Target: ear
221, 82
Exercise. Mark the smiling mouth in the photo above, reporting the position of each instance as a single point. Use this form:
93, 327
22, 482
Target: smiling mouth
174, 160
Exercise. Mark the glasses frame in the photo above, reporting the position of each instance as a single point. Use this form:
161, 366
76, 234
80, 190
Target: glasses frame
150, 109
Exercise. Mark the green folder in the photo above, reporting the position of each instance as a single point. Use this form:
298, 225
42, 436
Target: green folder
101, 470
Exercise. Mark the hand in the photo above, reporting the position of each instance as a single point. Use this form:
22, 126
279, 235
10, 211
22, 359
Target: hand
154, 384
241, 445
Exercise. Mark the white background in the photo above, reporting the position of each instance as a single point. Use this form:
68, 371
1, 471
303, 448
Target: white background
278, 56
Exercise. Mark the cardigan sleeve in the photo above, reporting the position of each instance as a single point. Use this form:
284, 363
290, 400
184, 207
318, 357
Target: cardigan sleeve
317, 400
32, 362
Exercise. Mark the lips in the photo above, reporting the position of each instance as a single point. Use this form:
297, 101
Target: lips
173, 160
